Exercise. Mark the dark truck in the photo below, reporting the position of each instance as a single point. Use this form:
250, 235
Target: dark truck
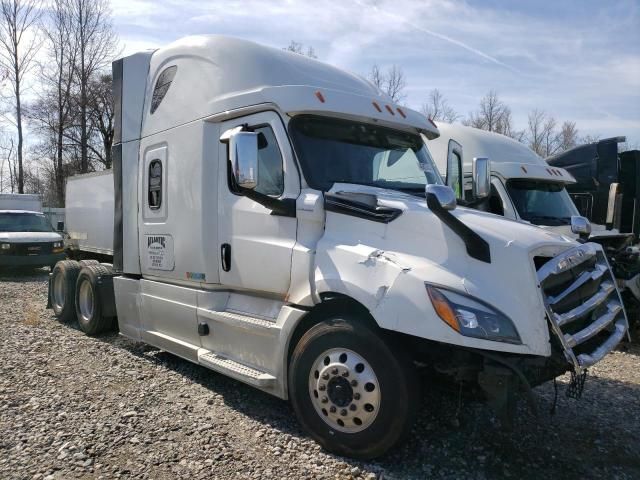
607, 192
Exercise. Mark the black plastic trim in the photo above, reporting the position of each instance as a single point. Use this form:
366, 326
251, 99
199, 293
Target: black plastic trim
116, 86
118, 236
366, 208
477, 247
285, 207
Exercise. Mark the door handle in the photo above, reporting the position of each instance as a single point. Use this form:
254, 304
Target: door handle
225, 256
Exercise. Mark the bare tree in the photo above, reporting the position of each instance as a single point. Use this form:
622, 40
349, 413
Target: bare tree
589, 138
297, 47
392, 82
542, 136
438, 109
493, 115
535, 131
101, 117
568, 136
7, 149
18, 48
53, 111
96, 45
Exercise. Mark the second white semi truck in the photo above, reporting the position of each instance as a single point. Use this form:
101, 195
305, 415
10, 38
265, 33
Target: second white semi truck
525, 188
282, 222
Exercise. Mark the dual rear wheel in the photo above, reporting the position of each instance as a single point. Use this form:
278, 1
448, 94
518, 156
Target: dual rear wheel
78, 291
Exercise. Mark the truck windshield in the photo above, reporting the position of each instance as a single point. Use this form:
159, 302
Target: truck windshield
24, 222
340, 151
542, 203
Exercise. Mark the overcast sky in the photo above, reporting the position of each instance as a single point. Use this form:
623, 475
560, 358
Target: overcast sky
578, 60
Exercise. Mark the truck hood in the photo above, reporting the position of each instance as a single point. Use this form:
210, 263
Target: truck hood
29, 237
385, 267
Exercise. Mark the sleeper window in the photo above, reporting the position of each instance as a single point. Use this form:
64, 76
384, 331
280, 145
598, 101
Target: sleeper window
270, 172
155, 184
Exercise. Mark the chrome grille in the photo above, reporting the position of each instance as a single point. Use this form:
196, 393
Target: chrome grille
583, 304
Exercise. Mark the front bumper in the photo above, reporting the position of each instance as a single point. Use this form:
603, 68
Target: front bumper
31, 260
583, 304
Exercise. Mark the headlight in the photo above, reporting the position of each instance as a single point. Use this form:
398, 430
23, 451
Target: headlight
472, 317
5, 246
57, 245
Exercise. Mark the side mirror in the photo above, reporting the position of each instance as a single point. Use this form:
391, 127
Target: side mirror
60, 227
444, 194
243, 153
481, 173
581, 226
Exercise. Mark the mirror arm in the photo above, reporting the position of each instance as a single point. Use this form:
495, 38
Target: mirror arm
285, 207
477, 247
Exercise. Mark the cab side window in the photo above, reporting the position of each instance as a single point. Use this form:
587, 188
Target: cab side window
270, 169
454, 170
155, 185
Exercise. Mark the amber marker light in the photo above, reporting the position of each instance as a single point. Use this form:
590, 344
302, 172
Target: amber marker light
442, 308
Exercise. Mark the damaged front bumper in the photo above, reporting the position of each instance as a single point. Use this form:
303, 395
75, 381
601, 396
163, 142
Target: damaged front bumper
583, 304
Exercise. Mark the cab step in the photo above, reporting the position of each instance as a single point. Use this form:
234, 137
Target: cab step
237, 319
235, 369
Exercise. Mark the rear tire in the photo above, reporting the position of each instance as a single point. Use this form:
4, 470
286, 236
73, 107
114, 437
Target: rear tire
354, 393
84, 263
88, 301
63, 289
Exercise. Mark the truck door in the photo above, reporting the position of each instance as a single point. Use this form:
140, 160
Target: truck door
255, 245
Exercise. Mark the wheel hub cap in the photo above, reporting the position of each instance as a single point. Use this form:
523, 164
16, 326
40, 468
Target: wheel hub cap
340, 392
344, 390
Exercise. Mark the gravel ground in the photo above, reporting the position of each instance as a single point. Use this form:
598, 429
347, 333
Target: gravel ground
79, 407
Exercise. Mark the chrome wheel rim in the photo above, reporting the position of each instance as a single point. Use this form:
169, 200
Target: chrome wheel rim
58, 292
85, 301
344, 390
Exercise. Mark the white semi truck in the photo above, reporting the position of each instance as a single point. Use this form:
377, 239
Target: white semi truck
282, 222
525, 188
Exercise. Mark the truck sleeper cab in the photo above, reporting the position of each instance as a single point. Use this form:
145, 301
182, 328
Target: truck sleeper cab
271, 225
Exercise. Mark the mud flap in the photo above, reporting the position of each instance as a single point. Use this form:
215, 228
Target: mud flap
500, 385
104, 287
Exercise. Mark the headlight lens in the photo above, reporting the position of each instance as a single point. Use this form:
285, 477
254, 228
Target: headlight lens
5, 246
57, 245
471, 317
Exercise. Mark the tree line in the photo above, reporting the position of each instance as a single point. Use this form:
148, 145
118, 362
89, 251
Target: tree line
54, 60
55, 84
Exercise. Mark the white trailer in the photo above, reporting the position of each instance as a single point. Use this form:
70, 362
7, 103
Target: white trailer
282, 222
89, 201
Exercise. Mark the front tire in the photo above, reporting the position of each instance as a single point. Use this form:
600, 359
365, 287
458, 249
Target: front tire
89, 307
351, 391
